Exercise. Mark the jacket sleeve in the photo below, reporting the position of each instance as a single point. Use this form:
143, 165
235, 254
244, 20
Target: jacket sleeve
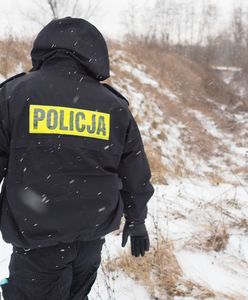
4, 141
134, 170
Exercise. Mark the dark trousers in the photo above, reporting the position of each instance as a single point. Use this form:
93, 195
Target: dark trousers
66, 271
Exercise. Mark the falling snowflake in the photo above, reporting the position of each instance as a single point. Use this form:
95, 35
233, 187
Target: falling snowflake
101, 209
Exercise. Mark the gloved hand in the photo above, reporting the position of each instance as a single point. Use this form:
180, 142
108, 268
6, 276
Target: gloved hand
139, 237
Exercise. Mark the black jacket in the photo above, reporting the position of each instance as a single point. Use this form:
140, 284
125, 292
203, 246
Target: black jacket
71, 154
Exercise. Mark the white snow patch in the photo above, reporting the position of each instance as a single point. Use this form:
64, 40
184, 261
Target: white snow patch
224, 68
139, 73
208, 271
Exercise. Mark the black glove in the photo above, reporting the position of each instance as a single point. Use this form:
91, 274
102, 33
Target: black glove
139, 238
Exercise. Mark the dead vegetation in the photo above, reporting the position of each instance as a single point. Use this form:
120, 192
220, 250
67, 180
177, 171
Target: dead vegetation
214, 237
161, 274
218, 239
192, 84
215, 178
14, 56
241, 224
159, 270
181, 74
158, 169
199, 90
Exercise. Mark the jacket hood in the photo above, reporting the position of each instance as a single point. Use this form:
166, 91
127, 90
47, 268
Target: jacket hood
74, 37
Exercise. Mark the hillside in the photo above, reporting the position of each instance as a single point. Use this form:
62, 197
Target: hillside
193, 120
194, 123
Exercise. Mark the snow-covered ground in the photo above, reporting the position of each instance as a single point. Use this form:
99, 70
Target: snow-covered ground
186, 211
206, 220
174, 150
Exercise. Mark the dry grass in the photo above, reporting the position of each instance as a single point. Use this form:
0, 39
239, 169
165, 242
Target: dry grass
161, 274
174, 79
197, 89
241, 224
214, 237
14, 53
218, 239
192, 83
158, 270
214, 178
181, 74
158, 169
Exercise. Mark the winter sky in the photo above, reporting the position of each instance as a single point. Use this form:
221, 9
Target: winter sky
14, 14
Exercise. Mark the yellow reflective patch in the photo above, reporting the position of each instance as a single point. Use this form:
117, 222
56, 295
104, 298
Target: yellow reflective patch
70, 121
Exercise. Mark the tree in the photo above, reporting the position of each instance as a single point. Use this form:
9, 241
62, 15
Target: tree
44, 11
239, 36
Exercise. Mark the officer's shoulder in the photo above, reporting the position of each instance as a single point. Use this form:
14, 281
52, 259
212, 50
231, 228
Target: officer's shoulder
11, 78
115, 92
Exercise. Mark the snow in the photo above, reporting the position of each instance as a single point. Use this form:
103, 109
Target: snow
183, 210
1, 78
168, 93
224, 68
209, 271
139, 73
121, 287
176, 153
208, 124
188, 208
237, 154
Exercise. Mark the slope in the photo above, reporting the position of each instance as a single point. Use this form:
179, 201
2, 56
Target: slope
194, 127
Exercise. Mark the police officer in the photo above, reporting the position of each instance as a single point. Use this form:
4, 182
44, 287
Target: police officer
72, 163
